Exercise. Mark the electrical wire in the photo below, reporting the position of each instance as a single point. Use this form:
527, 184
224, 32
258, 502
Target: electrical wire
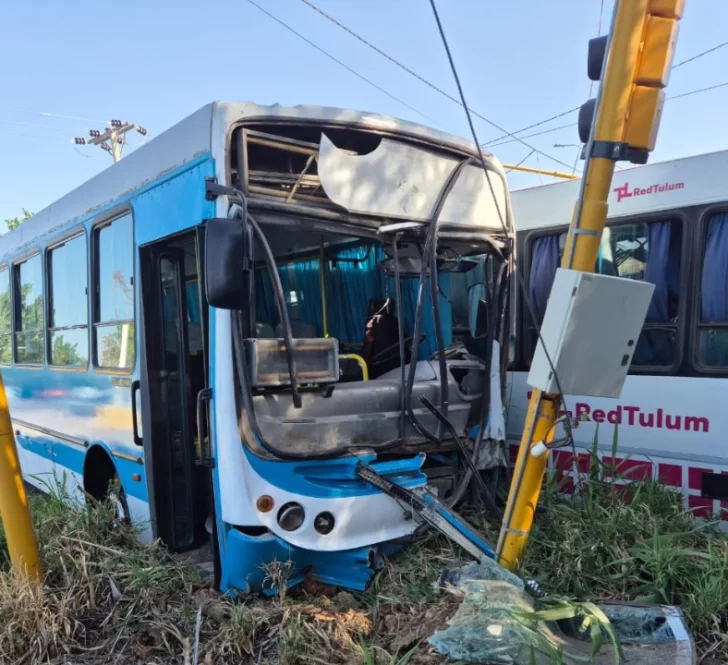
700, 55
519, 275
574, 124
342, 64
515, 166
428, 83
495, 142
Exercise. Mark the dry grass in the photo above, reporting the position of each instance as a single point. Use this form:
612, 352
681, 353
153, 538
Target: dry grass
107, 598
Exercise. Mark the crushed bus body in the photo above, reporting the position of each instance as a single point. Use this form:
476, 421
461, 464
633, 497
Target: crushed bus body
278, 296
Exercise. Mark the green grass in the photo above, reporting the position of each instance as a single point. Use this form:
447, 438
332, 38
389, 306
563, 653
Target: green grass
108, 598
638, 544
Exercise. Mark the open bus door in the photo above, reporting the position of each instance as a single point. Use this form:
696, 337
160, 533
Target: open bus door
166, 402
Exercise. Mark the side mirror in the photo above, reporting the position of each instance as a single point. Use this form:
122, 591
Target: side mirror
477, 311
228, 262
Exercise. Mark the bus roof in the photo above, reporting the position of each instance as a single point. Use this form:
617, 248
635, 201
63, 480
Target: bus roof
678, 183
205, 131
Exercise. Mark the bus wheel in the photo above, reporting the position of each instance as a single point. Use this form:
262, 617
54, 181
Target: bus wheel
117, 497
101, 482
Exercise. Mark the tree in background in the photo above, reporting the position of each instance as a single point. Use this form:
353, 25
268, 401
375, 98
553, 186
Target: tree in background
17, 221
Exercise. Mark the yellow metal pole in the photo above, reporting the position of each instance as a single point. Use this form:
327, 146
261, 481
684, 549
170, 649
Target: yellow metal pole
553, 174
585, 232
14, 511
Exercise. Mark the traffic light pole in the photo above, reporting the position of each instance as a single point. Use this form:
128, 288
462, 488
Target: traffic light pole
634, 46
14, 511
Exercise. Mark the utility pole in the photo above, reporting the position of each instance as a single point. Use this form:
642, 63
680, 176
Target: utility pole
633, 63
113, 139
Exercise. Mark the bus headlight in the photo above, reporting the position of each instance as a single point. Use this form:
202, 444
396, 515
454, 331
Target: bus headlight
291, 516
324, 523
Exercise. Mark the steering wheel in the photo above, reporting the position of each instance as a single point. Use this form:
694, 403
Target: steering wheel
392, 351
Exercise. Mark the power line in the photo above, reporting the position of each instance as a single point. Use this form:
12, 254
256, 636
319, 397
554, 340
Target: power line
22, 123
342, 64
541, 133
422, 79
695, 92
515, 166
70, 117
574, 124
700, 55
494, 141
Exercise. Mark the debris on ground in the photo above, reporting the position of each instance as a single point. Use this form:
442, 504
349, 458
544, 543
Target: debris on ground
498, 622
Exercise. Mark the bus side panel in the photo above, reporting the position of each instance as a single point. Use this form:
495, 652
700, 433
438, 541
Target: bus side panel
60, 415
669, 430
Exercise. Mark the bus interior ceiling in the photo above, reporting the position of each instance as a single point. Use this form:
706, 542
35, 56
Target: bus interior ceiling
281, 160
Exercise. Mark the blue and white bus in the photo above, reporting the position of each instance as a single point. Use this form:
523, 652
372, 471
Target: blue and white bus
223, 323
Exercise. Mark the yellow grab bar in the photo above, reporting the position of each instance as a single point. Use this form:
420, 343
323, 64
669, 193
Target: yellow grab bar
359, 361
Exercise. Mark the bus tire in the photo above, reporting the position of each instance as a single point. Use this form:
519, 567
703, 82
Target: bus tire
101, 482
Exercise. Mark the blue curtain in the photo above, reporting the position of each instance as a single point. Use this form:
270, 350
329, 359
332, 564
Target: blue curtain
714, 283
544, 262
657, 270
714, 292
193, 302
655, 347
410, 291
265, 305
303, 279
350, 285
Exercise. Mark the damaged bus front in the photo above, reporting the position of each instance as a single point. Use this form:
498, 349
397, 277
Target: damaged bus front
357, 274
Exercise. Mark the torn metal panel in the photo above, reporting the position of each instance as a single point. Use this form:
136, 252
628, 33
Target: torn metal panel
403, 181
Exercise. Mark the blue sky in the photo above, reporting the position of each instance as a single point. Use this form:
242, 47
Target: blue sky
520, 61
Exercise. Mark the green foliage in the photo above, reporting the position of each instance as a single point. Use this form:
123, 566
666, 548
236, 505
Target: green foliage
14, 222
636, 543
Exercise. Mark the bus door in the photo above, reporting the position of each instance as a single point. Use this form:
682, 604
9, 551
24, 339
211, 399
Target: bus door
169, 405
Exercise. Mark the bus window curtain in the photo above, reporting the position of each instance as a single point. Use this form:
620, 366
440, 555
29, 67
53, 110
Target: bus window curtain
656, 271
350, 285
265, 307
352, 280
713, 294
655, 347
544, 262
303, 279
193, 302
410, 291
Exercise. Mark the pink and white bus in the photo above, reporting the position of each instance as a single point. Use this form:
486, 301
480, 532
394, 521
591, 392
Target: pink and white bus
668, 224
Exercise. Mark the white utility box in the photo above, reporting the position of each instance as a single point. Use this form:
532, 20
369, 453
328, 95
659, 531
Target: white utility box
591, 327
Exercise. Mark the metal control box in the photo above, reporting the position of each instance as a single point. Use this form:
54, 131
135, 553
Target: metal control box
591, 328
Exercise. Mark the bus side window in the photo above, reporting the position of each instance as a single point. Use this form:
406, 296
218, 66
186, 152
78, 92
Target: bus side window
713, 320
652, 252
68, 304
643, 251
114, 306
6, 330
29, 311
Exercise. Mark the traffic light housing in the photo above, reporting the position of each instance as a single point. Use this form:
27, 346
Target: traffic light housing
649, 60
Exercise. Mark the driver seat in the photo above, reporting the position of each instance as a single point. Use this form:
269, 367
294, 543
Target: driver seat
381, 333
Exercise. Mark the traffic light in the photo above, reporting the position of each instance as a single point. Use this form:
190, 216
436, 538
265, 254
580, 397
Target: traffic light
649, 60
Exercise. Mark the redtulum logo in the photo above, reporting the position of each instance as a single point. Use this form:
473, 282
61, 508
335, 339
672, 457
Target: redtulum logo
624, 191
